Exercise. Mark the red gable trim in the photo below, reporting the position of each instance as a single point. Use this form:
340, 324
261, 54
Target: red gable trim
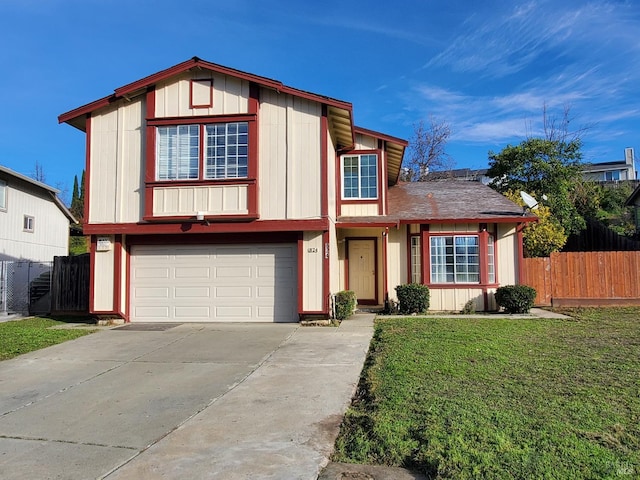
191, 63
381, 136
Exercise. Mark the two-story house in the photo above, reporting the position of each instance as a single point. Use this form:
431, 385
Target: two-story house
612, 171
34, 223
219, 195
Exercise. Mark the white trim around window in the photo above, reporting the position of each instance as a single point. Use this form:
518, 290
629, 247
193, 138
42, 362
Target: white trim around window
28, 224
359, 174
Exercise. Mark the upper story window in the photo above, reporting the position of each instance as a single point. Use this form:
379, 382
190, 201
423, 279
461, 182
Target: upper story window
222, 148
610, 176
3, 195
360, 177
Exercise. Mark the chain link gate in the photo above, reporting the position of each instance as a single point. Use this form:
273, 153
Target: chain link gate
25, 287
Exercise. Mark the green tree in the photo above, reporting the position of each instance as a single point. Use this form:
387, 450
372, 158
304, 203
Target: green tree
77, 203
543, 237
545, 166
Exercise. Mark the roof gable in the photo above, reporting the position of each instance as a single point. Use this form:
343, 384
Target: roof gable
53, 192
339, 112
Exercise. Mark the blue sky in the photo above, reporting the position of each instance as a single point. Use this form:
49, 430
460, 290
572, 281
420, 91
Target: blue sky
486, 68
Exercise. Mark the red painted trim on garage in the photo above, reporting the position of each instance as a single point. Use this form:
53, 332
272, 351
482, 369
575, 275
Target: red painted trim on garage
127, 312
300, 273
117, 274
193, 227
92, 273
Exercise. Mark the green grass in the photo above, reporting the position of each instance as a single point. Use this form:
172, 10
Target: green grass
22, 336
499, 398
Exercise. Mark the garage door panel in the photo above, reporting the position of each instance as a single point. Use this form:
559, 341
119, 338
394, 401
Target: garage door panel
192, 312
148, 272
153, 313
192, 292
214, 283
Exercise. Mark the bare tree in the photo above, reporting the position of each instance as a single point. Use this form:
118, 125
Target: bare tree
38, 172
559, 129
426, 151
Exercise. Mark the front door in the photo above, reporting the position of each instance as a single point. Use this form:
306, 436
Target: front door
362, 270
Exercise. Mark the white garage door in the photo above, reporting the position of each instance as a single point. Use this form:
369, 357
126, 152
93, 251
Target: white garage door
214, 283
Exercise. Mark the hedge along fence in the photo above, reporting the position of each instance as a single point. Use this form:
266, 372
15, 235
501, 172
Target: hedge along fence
584, 278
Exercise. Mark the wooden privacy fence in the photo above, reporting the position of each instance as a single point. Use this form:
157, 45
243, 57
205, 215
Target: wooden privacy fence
70, 285
584, 278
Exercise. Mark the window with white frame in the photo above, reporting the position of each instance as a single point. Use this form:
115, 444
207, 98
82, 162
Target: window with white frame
3, 195
360, 176
224, 147
416, 259
28, 223
455, 259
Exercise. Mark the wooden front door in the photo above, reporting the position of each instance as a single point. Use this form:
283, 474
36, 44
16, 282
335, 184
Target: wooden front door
362, 270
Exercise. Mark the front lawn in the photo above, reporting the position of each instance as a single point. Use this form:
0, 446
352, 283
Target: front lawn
501, 398
22, 336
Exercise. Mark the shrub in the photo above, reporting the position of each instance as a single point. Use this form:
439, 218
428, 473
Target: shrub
469, 308
345, 304
413, 298
515, 298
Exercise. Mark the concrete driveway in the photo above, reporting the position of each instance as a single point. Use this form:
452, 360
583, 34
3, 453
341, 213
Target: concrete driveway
188, 401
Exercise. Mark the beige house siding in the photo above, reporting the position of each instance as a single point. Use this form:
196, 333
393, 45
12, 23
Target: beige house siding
507, 254
312, 268
103, 276
211, 200
230, 95
116, 175
289, 168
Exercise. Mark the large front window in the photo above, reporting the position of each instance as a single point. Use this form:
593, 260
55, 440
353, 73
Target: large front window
223, 148
360, 177
455, 259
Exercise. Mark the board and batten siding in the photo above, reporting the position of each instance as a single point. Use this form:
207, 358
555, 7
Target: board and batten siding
312, 267
117, 156
507, 254
50, 235
103, 273
214, 200
290, 164
230, 95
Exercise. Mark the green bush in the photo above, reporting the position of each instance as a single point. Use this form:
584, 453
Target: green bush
515, 298
345, 304
413, 298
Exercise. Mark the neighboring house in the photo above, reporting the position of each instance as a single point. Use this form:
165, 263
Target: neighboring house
218, 195
461, 174
34, 223
612, 171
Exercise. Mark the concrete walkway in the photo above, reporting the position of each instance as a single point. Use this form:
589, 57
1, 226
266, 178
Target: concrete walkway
240, 401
